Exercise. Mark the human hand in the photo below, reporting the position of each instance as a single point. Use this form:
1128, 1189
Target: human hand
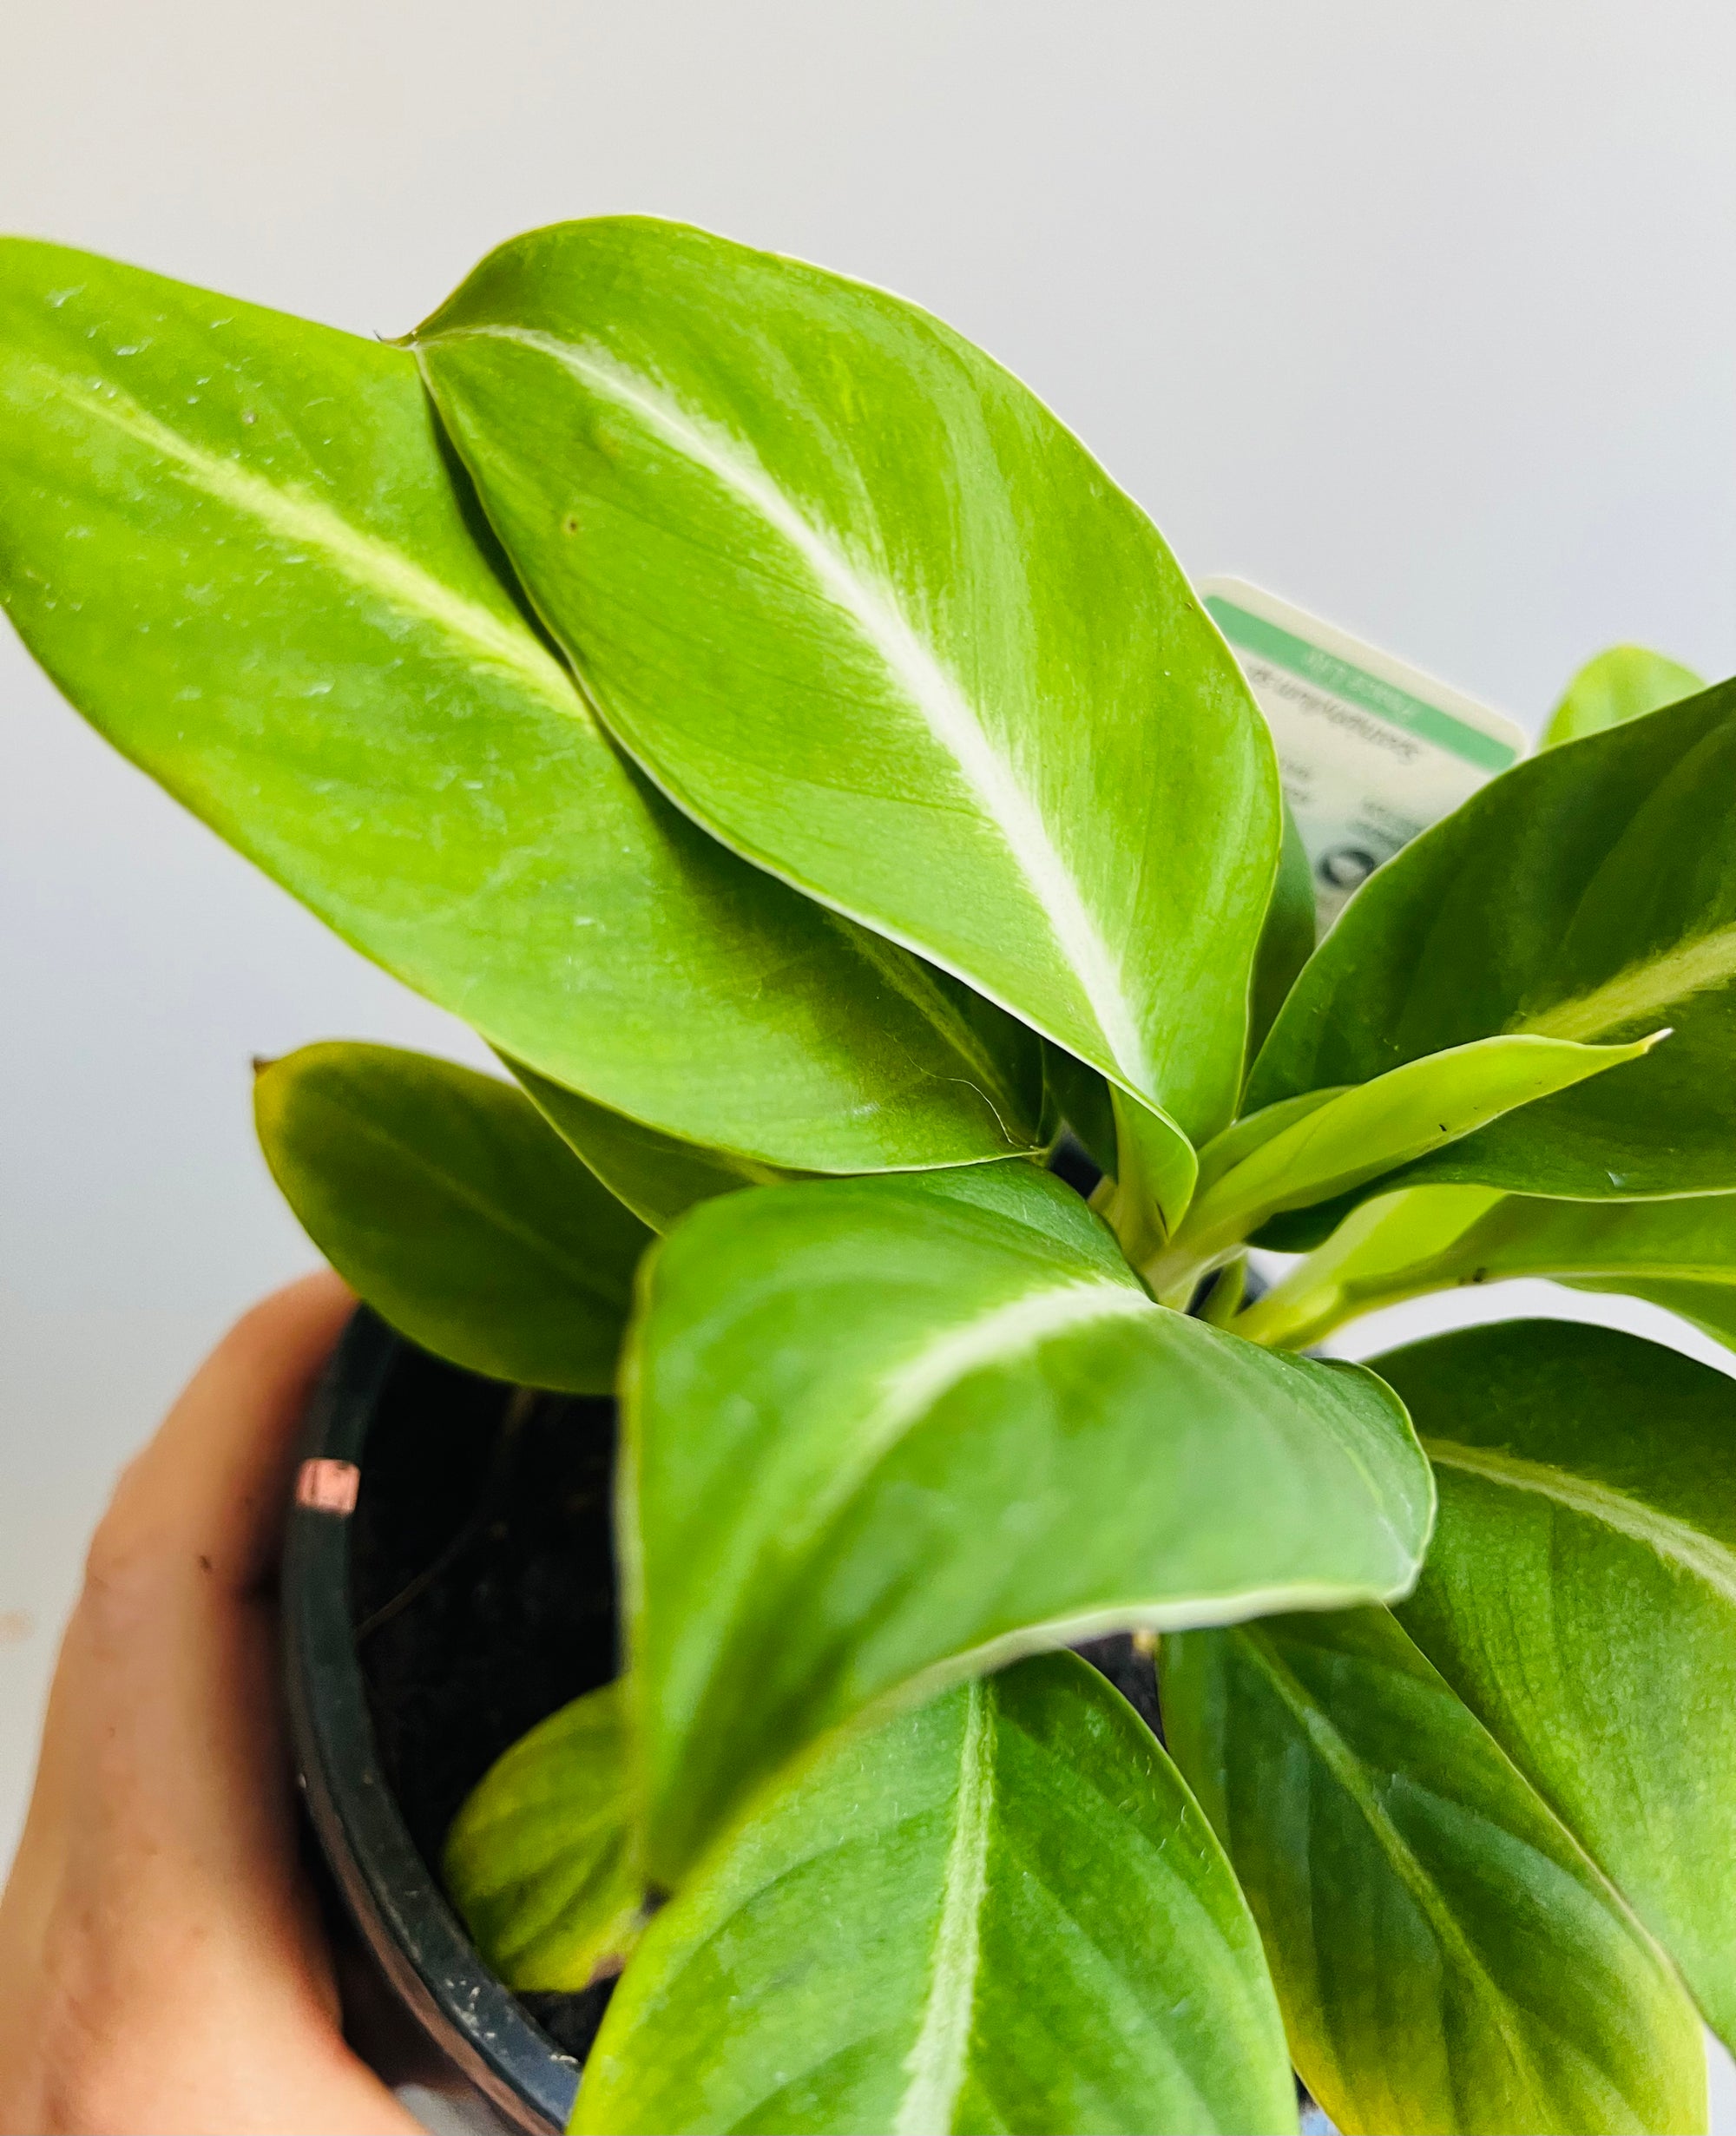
161, 1966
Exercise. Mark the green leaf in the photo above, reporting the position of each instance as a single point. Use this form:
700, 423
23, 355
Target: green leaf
539, 1861
658, 1176
1678, 1254
1580, 1598
1000, 1912
1587, 894
443, 1200
868, 611
1622, 684
882, 1431
1392, 1247
237, 543
1446, 1958
1328, 1142
1286, 941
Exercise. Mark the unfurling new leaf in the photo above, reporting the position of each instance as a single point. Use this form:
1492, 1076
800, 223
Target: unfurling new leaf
1625, 683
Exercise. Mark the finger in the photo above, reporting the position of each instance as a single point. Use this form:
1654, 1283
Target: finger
157, 1641
207, 1494
163, 1734
159, 1855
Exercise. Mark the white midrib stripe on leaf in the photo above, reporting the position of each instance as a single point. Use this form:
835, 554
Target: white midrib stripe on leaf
1644, 990
936, 2063
911, 1388
1700, 1555
291, 515
931, 691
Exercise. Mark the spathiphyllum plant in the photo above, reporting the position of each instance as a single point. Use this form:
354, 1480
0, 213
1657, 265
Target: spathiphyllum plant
741, 701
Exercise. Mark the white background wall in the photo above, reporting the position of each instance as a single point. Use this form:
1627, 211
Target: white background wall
1423, 315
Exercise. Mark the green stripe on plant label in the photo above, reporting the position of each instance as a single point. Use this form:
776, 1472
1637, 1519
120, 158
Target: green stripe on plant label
1385, 700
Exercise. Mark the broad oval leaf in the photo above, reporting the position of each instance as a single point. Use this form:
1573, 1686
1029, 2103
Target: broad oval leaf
1588, 894
882, 1431
539, 1861
657, 1176
867, 611
448, 1204
1288, 938
1326, 1142
1446, 1956
1581, 1598
236, 543
1625, 683
1001, 1911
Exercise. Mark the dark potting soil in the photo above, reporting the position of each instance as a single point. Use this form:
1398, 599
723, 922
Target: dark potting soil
1130, 1666
482, 1587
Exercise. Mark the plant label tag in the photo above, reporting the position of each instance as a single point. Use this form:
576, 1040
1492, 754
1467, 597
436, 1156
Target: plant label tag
1372, 750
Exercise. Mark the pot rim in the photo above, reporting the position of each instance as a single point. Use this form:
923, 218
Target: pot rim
402, 1914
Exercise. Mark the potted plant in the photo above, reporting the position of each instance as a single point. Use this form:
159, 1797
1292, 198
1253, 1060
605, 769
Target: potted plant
750, 709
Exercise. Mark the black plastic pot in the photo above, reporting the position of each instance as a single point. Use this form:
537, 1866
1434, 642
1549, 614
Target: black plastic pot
449, 1580
404, 1539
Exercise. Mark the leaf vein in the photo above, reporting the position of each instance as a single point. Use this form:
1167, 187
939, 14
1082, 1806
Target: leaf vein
1691, 1550
290, 515
1641, 991
1342, 1762
938, 2061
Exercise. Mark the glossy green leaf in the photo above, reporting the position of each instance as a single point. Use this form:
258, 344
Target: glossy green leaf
1300, 1231
446, 1202
1351, 1137
1581, 1597
657, 1176
1392, 1247
866, 610
883, 1431
1286, 941
1587, 894
1446, 1956
1002, 1912
1678, 1254
1622, 684
236, 543
540, 1862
